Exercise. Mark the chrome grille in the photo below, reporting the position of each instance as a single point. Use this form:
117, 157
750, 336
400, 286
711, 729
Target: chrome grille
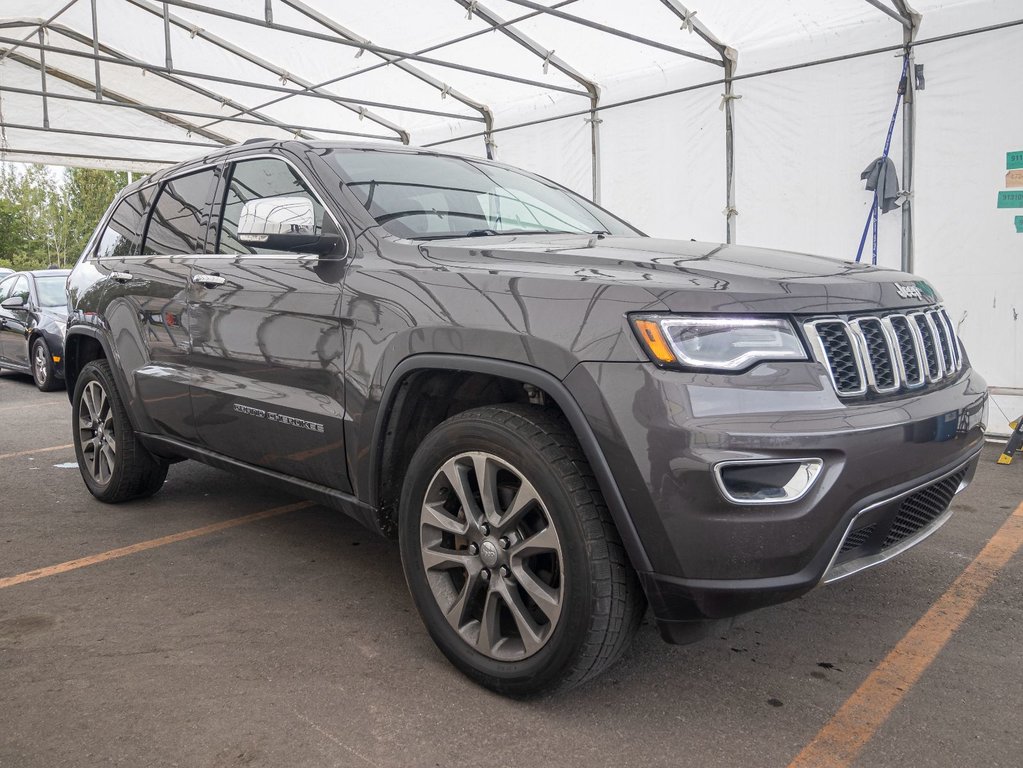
886, 354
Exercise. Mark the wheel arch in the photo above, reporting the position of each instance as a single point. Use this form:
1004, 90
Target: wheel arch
396, 407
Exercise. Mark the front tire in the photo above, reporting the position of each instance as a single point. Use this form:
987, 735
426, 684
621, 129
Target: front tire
43, 373
511, 555
114, 464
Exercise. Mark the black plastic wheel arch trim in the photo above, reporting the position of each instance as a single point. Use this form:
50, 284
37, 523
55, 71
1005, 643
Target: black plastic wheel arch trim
528, 375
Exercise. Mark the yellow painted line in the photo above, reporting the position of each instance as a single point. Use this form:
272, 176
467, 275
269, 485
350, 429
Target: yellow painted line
35, 450
113, 554
840, 741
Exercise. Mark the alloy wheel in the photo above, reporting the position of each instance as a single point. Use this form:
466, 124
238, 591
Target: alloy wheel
96, 432
41, 364
492, 556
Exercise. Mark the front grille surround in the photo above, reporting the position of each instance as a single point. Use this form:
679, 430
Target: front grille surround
886, 354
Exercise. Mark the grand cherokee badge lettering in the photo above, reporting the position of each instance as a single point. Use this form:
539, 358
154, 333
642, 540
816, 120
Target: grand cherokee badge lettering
908, 291
280, 418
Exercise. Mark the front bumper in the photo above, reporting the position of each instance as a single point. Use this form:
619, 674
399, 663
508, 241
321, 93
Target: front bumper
662, 432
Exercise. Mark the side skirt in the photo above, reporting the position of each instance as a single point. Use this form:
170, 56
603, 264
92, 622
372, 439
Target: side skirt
171, 449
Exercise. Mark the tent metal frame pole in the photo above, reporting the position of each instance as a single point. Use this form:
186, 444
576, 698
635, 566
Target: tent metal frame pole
269, 66
112, 98
67, 155
95, 50
897, 15
908, 132
445, 89
746, 76
368, 47
123, 60
119, 136
42, 78
165, 111
167, 36
550, 59
37, 23
730, 60
421, 51
613, 31
118, 57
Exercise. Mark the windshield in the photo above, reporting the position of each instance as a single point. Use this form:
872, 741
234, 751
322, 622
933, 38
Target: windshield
51, 291
430, 197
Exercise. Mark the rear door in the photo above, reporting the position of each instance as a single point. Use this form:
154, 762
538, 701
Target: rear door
266, 338
149, 322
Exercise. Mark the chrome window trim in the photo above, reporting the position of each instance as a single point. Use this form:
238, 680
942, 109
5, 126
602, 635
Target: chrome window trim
819, 353
834, 573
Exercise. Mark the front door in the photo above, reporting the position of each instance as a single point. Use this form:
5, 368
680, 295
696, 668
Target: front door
14, 324
267, 384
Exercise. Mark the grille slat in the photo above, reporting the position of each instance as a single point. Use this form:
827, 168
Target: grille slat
886, 354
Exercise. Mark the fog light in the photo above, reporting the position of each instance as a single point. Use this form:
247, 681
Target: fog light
774, 481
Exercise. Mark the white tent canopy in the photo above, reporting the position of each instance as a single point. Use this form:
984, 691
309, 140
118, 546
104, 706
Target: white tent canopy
722, 120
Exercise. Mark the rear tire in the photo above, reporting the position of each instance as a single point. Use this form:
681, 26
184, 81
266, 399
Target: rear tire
114, 464
43, 373
510, 553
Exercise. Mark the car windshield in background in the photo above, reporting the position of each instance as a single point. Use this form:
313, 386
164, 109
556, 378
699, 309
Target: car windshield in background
431, 197
51, 291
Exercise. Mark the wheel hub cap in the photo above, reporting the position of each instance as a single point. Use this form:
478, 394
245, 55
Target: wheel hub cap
489, 553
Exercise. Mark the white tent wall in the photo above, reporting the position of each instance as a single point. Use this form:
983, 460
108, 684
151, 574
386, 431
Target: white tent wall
970, 116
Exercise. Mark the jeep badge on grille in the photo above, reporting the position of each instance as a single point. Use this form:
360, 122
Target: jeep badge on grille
908, 290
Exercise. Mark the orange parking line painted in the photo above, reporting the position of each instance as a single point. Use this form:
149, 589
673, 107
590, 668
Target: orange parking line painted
35, 450
840, 741
113, 554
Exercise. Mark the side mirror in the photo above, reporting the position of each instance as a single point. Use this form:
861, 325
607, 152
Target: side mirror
285, 224
14, 302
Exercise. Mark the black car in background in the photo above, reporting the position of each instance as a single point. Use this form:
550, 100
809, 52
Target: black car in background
33, 322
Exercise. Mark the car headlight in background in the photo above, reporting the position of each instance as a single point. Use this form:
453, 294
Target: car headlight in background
716, 343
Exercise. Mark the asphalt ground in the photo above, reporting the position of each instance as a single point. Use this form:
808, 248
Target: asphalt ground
290, 640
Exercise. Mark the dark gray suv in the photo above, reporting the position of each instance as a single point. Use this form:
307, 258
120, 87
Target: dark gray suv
558, 418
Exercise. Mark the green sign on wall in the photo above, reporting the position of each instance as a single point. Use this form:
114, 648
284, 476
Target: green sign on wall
1019, 225
1010, 198
1013, 160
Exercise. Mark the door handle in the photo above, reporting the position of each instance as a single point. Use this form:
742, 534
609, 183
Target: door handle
209, 281
121, 277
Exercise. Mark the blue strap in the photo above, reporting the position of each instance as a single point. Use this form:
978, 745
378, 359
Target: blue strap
873, 213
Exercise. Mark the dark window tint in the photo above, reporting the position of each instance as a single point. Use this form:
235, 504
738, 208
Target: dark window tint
124, 230
177, 223
260, 179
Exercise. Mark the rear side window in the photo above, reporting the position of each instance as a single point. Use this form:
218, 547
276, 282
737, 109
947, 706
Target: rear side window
255, 179
124, 230
177, 223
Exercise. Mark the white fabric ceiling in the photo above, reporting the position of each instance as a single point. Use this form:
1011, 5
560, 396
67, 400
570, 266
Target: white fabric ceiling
274, 64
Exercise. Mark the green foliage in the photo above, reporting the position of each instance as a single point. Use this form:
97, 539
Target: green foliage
48, 220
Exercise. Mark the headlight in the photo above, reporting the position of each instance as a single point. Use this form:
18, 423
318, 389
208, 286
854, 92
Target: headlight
716, 343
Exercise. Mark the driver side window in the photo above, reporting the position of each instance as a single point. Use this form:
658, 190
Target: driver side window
259, 179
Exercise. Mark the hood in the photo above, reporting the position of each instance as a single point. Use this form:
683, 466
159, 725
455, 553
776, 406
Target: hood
689, 276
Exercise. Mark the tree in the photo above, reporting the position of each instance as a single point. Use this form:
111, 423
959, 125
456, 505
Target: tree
45, 220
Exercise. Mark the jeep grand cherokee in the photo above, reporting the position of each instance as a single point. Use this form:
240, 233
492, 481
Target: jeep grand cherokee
558, 418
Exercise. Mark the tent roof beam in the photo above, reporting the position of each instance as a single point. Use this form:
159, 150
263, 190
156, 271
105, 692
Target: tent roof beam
892, 12
123, 60
269, 66
165, 113
368, 47
615, 32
